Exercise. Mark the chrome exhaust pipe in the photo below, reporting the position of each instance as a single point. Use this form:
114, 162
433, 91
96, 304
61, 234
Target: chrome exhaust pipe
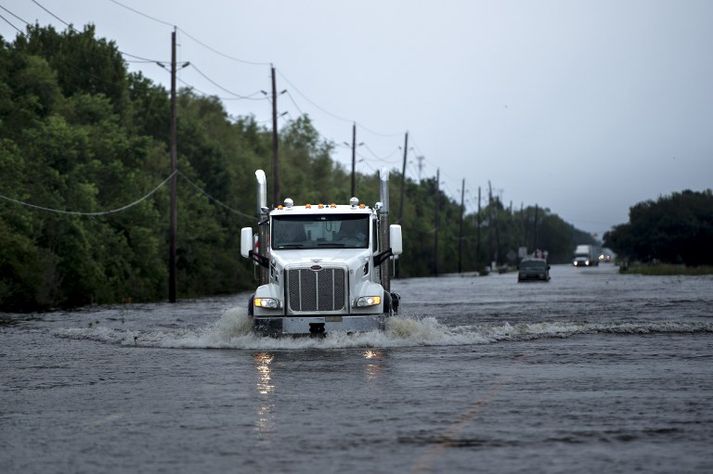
384, 227
261, 193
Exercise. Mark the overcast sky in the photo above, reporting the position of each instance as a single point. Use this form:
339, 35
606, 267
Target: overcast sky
585, 108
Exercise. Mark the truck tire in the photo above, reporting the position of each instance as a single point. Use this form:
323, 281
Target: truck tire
395, 302
387, 303
251, 311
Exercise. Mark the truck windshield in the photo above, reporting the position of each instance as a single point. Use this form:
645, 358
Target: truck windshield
320, 231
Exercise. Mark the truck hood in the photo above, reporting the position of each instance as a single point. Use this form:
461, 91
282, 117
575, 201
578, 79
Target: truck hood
325, 257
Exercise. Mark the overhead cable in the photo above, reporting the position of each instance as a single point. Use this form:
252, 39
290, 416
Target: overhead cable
374, 132
220, 53
124, 53
335, 116
98, 213
217, 201
11, 13
239, 96
10, 23
158, 20
292, 99
385, 157
55, 16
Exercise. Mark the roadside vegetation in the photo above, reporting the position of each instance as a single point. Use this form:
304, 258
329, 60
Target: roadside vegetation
670, 236
78, 132
667, 269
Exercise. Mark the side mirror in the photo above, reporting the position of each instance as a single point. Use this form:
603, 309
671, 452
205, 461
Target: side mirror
395, 239
246, 241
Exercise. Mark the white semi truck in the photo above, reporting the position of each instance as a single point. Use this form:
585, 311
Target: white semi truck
586, 256
322, 267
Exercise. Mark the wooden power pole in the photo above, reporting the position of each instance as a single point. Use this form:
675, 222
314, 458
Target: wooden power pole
438, 222
534, 244
477, 235
275, 160
403, 179
353, 159
174, 207
460, 232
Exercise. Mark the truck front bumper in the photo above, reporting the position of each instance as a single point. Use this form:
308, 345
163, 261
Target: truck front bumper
317, 325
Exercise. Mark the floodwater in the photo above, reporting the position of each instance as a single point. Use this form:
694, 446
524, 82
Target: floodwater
591, 372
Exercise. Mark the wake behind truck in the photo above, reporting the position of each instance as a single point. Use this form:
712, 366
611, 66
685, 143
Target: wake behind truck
322, 267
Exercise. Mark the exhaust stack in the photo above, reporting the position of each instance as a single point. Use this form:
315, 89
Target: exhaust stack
263, 222
261, 192
384, 190
384, 227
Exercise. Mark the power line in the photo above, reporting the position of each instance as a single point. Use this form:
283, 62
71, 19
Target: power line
227, 56
158, 20
124, 53
292, 99
55, 16
11, 13
383, 158
10, 23
220, 53
98, 213
217, 201
367, 158
238, 96
327, 112
374, 132
335, 116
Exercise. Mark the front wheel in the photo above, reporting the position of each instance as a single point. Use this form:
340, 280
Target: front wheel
251, 307
387, 304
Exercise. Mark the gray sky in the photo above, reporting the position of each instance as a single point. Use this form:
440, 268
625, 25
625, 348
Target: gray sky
582, 107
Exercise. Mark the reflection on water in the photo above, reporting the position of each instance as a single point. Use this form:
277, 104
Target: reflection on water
265, 390
264, 373
373, 369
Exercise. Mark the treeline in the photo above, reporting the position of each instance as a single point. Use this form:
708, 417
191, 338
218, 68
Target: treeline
79, 132
673, 229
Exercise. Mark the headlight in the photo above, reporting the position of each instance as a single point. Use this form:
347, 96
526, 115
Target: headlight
368, 301
270, 303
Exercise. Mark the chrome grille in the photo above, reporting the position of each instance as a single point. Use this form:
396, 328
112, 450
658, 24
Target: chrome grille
321, 290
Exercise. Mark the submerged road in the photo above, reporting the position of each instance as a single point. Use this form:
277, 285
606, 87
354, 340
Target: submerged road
591, 372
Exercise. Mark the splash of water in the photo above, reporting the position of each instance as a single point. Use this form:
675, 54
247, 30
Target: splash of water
233, 330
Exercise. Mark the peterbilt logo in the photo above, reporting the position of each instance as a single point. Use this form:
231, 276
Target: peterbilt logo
315, 268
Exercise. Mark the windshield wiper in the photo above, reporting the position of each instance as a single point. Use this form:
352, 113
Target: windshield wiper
290, 246
330, 244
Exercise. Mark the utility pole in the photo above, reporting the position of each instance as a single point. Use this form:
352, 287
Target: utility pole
275, 160
477, 235
403, 179
174, 160
354, 159
460, 232
491, 252
534, 246
438, 221
420, 166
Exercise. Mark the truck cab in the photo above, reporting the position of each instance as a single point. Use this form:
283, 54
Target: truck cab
585, 256
324, 267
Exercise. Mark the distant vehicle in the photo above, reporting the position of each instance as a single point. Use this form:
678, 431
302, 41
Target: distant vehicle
606, 256
533, 269
586, 256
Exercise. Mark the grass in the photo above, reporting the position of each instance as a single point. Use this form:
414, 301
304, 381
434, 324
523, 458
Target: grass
667, 269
